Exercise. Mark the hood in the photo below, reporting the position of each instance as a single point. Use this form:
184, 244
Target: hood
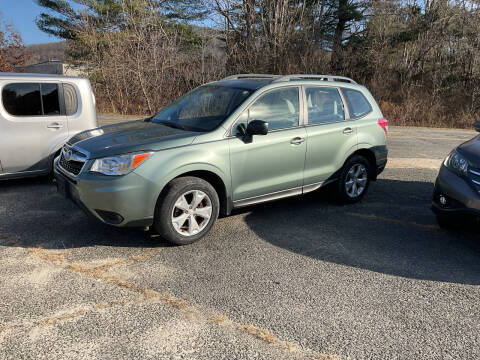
471, 151
129, 137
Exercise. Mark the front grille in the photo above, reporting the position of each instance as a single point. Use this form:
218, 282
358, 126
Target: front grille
73, 167
76, 160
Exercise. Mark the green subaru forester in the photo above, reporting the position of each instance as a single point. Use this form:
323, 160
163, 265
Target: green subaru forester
243, 140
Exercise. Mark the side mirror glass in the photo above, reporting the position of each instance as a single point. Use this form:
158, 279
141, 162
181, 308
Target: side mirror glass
477, 126
257, 127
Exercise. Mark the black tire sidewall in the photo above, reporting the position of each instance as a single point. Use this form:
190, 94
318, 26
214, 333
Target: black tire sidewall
342, 191
166, 201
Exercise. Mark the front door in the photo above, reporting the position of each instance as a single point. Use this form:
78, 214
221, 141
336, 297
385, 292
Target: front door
270, 165
32, 122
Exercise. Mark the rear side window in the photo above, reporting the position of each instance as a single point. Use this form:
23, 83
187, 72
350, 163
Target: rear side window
51, 106
357, 103
31, 99
22, 99
324, 105
71, 102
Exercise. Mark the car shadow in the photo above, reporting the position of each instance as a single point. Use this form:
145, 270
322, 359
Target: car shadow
392, 231
32, 214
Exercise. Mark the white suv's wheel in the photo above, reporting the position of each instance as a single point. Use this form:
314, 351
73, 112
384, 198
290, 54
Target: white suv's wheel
187, 210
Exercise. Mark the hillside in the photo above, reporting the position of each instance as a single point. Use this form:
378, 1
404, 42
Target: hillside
47, 51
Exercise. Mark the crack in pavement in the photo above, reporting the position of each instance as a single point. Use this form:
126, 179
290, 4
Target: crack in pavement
397, 221
57, 257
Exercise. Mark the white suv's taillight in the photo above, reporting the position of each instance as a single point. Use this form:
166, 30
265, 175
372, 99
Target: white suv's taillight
384, 125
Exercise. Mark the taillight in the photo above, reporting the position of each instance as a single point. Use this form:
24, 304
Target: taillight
384, 125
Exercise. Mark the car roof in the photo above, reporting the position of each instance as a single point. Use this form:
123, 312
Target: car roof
257, 81
250, 84
5, 75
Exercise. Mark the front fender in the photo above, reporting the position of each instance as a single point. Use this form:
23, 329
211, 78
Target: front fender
166, 165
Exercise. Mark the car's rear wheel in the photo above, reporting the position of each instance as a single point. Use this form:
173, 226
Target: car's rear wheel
187, 210
354, 179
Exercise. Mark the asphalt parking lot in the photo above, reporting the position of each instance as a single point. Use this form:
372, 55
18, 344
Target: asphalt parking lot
302, 278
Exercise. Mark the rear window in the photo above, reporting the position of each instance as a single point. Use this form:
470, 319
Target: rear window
71, 102
31, 99
357, 103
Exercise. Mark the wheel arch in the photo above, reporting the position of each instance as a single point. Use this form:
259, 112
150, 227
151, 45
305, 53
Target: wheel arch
213, 179
371, 158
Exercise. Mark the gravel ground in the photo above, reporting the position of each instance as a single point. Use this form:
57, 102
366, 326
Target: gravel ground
302, 278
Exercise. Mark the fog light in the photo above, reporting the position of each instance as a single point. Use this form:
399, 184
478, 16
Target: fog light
443, 200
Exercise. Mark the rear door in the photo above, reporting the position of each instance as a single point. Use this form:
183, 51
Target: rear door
331, 134
33, 123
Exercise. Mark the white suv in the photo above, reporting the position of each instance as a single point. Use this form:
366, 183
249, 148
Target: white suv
38, 114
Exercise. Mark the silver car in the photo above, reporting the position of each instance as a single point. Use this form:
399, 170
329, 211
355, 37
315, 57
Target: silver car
38, 114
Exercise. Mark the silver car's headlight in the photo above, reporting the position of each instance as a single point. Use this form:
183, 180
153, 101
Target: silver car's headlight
457, 163
120, 164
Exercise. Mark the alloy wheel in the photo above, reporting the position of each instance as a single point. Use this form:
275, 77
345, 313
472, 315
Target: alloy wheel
191, 213
356, 180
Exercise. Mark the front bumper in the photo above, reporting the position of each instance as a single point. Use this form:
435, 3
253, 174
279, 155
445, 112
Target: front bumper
462, 197
127, 200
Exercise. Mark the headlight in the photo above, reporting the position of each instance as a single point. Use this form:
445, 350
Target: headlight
457, 163
119, 165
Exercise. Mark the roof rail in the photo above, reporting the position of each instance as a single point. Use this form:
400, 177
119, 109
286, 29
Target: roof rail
313, 77
250, 76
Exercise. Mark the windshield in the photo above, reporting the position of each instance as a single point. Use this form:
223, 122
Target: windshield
202, 109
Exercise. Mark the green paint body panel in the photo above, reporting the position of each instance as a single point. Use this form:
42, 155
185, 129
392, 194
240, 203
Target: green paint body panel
268, 164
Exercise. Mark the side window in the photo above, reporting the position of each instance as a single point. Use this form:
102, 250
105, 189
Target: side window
324, 105
22, 99
71, 101
280, 108
51, 106
357, 103
31, 99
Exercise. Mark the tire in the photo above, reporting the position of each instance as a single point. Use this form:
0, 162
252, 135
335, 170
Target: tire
356, 171
177, 219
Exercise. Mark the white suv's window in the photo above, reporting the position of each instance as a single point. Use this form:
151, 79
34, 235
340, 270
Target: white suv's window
71, 102
31, 99
324, 105
357, 103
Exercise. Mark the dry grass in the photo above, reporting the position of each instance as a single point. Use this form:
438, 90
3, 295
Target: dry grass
420, 111
219, 319
259, 333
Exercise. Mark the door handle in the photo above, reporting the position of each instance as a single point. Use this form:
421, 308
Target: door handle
55, 126
348, 131
297, 141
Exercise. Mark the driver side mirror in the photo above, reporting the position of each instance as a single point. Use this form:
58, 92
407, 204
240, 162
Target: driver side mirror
477, 126
255, 127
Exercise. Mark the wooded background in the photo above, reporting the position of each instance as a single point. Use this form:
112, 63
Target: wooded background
420, 59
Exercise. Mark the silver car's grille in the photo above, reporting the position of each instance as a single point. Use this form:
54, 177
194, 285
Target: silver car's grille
72, 160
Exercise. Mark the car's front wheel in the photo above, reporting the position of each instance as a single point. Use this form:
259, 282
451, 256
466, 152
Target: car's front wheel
354, 179
187, 210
